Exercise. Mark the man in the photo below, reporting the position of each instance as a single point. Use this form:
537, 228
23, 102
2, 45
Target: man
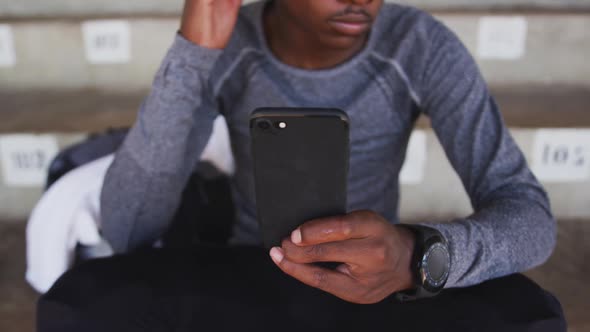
382, 64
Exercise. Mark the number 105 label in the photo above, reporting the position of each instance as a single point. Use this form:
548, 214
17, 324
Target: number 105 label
562, 155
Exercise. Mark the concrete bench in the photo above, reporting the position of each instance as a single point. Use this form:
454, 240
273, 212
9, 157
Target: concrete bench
51, 55
73, 8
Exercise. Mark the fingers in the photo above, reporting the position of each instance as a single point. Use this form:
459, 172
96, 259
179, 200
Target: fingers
209, 23
356, 225
334, 282
355, 252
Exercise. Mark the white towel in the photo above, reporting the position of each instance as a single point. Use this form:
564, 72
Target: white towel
67, 214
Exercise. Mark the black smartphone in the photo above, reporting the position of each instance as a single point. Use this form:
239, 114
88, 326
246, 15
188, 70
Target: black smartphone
300, 160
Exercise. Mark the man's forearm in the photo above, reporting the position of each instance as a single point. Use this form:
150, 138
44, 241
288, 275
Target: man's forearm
505, 237
143, 186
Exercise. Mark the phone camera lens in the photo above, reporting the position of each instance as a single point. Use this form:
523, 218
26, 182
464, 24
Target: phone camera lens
264, 124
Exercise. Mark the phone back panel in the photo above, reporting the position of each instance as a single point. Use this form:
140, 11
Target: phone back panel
300, 170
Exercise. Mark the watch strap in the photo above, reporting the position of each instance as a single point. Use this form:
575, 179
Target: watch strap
414, 294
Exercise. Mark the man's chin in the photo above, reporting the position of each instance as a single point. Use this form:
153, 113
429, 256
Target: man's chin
345, 42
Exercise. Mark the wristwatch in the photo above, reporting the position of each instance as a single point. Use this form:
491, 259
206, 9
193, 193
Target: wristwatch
431, 263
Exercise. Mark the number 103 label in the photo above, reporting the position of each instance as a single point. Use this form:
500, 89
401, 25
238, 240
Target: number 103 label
24, 159
562, 155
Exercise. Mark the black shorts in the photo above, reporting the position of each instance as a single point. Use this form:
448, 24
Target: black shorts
240, 289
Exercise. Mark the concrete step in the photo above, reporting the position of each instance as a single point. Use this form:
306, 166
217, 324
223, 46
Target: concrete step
497, 5
72, 8
50, 54
95, 110
430, 187
565, 274
439, 192
17, 303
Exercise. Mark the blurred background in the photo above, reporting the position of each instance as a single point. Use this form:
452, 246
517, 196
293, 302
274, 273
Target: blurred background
69, 68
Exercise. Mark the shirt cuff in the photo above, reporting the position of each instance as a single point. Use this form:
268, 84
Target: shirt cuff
192, 55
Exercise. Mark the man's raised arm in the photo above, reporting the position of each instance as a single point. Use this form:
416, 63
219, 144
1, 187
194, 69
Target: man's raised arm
143, 187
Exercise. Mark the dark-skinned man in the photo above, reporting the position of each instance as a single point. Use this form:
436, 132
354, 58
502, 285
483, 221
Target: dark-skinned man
382, 64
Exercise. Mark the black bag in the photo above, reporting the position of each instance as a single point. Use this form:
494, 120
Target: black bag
206, 212
94, 147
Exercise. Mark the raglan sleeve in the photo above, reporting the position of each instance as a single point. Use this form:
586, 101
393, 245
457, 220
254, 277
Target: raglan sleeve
512, 228
143, 187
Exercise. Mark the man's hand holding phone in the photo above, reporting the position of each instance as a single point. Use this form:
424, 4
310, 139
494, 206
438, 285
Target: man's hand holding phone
209, 23
375, 256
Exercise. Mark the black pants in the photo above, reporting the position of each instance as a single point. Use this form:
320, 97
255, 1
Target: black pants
240, 289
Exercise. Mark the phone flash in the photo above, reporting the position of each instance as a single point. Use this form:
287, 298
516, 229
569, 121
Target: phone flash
282, 125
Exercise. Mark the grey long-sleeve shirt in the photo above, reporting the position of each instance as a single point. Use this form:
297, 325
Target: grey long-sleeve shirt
411, 64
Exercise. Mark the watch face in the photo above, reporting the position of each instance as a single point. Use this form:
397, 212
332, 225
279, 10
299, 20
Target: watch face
435, 266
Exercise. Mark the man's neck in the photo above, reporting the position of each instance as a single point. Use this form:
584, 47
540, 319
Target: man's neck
297, 47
